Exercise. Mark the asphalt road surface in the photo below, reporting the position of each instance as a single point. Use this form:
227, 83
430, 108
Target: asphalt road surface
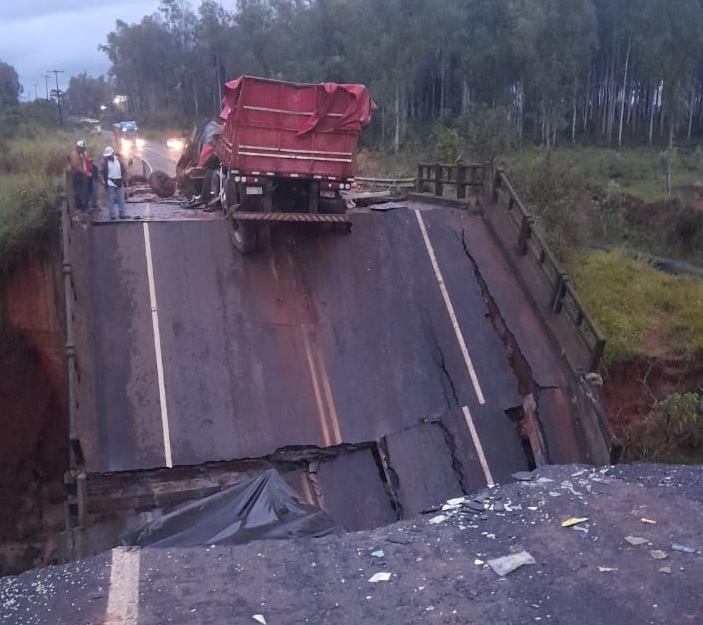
324, 339
613, 567
381, 339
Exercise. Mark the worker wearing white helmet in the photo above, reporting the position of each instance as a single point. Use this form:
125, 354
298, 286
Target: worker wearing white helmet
78, 166
114, 174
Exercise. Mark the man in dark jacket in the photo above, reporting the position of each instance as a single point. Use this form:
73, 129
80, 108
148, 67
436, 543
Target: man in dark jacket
81, 175
114, 173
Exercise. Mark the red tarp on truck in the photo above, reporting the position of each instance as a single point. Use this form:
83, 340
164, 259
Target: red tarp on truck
282, 128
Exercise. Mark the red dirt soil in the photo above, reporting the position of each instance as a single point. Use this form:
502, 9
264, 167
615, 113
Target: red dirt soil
34, 441
632, 388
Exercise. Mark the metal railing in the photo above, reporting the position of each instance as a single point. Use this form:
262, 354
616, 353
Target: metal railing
436, 177
530, 242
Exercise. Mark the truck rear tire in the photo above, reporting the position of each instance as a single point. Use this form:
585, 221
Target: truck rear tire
245, 235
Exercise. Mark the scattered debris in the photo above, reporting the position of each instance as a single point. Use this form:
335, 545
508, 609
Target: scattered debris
378, 554
439, 519
507, 564
259, 618
666, 570
478, 562
383, 576
649, 521
658, 554
574, 521
636, 540
683, 548
475, 506
523, 476
606, 569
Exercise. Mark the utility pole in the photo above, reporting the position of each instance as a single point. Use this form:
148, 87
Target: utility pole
46, 81
56, 73
35, 91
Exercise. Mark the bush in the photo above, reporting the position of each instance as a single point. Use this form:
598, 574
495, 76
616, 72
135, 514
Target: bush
673, 431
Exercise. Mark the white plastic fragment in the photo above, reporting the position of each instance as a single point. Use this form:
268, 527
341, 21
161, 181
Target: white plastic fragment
259, 618
636, 540
383, 576
507, 564
457, 501
478, 562
439, 519
607, 569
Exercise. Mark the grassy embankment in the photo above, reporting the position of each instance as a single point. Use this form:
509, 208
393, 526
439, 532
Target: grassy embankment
31, 181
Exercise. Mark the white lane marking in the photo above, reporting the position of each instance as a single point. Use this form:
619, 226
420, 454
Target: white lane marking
157, 347
147, 163
450, 309
123, 600
479, 448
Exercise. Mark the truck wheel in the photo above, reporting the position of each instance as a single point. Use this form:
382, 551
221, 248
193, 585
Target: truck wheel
211, 188
162, 184
245, 234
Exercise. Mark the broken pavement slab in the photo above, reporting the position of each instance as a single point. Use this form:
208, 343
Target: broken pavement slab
573, 580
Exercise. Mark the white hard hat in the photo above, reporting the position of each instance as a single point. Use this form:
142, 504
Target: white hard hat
108, 151
81, 143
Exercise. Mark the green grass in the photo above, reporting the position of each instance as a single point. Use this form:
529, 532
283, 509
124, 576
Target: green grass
640, 310
31, 179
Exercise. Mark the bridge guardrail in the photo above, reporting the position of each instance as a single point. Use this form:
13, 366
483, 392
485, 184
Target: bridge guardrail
530, 242
435, 177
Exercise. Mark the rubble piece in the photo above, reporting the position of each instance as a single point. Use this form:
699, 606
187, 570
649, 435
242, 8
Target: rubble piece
378, 554
474, 506
441, 518
259, 618
383, 576
574, 521
666, 570
648, 521
658, 554
682, 548
636, 540
523, 476
606, 569
507, 564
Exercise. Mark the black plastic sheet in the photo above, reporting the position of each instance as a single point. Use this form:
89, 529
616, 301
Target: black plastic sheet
261, 508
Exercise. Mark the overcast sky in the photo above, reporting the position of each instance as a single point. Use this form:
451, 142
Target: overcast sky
41, 35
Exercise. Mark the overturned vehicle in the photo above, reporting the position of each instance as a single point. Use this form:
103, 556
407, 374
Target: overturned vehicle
282, 152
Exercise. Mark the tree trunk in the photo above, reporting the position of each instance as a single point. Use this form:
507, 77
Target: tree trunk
396, 108
652, 106
691, 105
670, 157
573, 113
624, 92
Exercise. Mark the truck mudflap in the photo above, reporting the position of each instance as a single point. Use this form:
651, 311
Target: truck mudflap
310, 217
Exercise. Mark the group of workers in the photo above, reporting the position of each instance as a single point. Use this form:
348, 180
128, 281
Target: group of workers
86, 177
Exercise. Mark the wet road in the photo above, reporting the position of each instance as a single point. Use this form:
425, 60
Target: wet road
321, 340
158, 156
386, 338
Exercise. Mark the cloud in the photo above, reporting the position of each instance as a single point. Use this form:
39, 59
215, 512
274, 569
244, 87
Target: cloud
59, 35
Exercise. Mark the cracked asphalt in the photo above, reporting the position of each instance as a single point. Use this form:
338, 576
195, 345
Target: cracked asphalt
437, 564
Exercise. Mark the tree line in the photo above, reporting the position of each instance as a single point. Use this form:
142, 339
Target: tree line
600, 71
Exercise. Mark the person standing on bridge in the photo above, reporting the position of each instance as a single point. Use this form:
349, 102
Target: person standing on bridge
78, 166
113, 171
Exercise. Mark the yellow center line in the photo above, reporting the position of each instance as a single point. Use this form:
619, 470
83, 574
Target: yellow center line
330, 399
307, 493
316, 390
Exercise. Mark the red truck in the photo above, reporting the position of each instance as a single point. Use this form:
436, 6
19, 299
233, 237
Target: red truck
285, 153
